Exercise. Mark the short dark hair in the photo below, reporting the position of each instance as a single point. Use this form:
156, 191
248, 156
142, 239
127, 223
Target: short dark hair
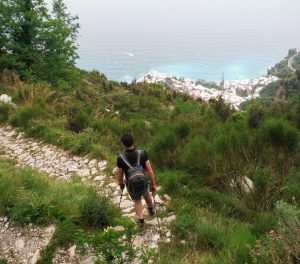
127, 140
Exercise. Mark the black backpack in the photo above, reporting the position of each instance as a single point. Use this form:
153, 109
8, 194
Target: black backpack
137, 181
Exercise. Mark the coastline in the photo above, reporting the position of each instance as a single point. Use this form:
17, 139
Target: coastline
234, 92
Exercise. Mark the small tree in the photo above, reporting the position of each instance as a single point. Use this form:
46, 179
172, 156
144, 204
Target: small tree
35, 42
59, 49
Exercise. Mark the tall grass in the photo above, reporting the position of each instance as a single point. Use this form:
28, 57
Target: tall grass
29, 197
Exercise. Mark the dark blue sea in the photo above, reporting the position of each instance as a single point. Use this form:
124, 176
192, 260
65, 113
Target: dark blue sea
196, 39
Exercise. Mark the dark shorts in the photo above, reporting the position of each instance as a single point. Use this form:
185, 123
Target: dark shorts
137, 196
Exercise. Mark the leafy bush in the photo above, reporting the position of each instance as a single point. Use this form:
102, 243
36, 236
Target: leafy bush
163, 150
99, 151
196, 159
281, 134
172, 181
256, 115
34, 198
23, 116
4, 112
281, 244
113, 246
7, 190
78, 122
222, 109
263, 223
200, 232
96, 212
238, 240
224, 203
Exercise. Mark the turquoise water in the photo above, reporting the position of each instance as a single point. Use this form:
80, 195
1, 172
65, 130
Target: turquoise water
196, 39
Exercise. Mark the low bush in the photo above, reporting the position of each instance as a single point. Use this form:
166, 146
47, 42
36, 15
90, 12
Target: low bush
7, 192
224, 203
96, 211
238, 241
263, 223
281, 244
99, 151
196, 157
281, 134
4, 112
173, 181
200, 232
29, 197
163, 150
23, 116
78, 122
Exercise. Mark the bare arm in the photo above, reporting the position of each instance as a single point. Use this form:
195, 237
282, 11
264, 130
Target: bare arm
120, 176
150, 173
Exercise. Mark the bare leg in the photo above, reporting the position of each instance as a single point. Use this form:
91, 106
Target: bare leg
139, 208
148, 200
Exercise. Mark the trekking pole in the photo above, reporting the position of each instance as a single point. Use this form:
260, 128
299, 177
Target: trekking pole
159, 230
121, 197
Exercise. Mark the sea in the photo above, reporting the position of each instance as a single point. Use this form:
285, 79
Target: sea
195, 39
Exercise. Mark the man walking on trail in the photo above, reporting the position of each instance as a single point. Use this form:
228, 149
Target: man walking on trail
134, 164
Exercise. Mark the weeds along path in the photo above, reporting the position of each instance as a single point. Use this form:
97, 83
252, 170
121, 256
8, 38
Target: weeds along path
61, 165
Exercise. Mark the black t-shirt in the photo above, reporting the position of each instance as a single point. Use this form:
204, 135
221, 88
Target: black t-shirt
131, 156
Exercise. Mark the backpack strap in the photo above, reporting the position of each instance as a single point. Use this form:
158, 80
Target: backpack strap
125, 160
138, 157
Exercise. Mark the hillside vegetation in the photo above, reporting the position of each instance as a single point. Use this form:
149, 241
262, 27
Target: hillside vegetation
201, 153
234, 176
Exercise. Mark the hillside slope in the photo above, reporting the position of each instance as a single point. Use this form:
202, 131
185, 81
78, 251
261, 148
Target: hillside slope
226, 170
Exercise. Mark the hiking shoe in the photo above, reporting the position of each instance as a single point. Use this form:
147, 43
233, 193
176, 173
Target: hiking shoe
151, 210
141, 222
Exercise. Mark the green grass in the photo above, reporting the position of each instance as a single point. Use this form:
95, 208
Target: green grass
30, 197
27, 196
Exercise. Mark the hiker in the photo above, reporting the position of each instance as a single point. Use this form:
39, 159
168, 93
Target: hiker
138, 171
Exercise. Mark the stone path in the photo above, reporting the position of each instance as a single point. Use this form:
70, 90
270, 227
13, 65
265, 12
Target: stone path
61, 165
23, 245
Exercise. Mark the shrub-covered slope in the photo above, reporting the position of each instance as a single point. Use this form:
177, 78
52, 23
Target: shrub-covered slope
225, 169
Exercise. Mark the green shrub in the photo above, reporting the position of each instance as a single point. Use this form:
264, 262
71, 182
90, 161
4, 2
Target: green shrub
207, 258
222, 202
78, 122
199, 231
23, 95
101, 126
23, 116
238, 241
196, 159
281, 134
96, 211
7, 192
3, 261
173, 181
263, 223
99, 151
222, 109
255, 116
28, 211
281, 244
4, 112
292, 193
163, 150
209, 236
66, 231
